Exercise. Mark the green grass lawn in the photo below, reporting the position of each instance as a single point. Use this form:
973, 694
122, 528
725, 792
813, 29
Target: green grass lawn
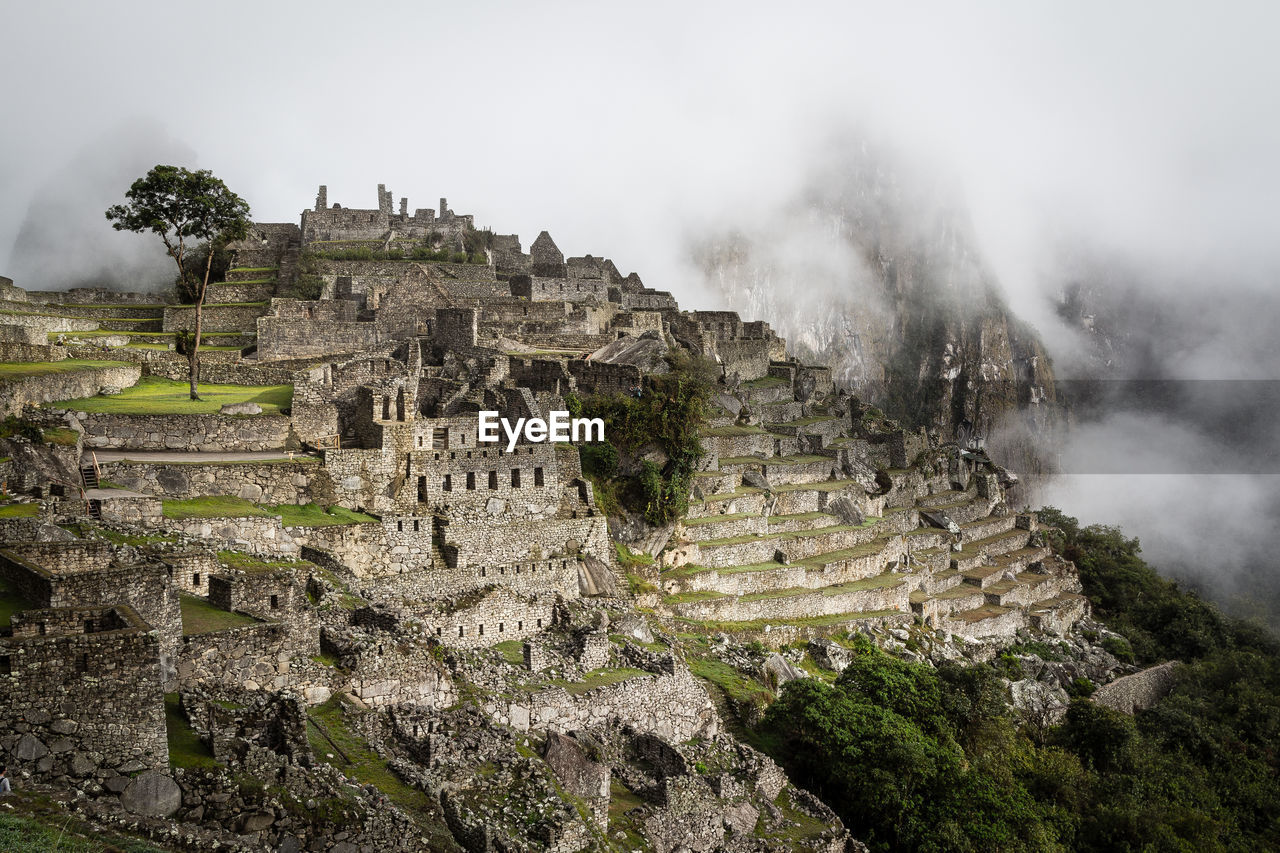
600, 678
250, 563
11, 603
313, 515
201, 617
27, 369
60, 435
15, 510
185, 747
213, 506
155, 396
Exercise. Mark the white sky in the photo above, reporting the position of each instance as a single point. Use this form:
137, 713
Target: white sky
1152, 126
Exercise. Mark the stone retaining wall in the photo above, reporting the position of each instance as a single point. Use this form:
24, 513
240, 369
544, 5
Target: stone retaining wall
253, 657
47, 388
207, 433
261, 482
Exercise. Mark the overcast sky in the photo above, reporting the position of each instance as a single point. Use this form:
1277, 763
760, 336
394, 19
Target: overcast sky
1152, 126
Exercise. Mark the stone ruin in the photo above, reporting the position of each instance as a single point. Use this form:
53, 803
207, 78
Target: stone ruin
811, 516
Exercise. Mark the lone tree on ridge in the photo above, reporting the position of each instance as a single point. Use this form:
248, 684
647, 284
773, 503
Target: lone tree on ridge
184, 208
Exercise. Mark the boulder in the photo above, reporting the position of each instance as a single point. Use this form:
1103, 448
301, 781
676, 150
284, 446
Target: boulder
830, 655
729, 403
780, 670
152, 795
241, 409
847, 510
755, 479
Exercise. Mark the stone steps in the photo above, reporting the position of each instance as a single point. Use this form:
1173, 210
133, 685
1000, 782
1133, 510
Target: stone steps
989, 620
1025, 589
942, 581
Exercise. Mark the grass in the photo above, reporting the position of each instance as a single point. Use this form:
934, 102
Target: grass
758, 625
291, 515
185, 747
600, 678
512, 651
62, 832
16, 510
802, 459
29, 369
736, 686
630, 559
201, 617
155, 396
357, 758
253, 269
61, 436
10, 603
314, 515
213, 506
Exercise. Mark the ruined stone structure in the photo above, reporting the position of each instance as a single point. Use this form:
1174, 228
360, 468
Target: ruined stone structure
362, 559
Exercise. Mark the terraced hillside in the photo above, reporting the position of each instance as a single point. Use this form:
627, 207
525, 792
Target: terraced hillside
809, 518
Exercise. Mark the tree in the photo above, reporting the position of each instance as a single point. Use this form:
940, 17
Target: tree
184, 208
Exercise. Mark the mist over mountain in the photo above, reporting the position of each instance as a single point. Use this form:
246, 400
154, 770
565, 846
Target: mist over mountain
64, 239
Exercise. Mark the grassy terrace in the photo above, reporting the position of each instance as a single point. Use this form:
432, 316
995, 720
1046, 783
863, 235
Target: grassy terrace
787, 537
28, 369
185, 747
291, 515
155, 396
799, 516
252, 269
600, 678
877, 582
19, 510
816, 419
758, 625
201, 617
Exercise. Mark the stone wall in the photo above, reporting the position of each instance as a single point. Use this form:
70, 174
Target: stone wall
48, 388
209, 433
252, 657
1139, 691
215, 317
275, 596
77, 703
673, 706
270, 482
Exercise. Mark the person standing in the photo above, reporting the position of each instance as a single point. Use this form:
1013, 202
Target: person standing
5, 786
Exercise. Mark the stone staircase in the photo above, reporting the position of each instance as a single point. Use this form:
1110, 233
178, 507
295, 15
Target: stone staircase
769, 547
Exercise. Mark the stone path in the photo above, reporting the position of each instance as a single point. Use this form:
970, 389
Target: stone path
161, 456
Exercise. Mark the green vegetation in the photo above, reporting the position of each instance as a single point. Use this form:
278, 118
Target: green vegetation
155, 396
915, 758
669, 414
61, 436
330, 735
314, 515
19, 510
201, 617
59, 831
600, 678
185, 747
512, 651
28, 369
213, 506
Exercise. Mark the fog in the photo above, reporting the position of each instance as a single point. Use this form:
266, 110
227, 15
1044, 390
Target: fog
1126, 150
